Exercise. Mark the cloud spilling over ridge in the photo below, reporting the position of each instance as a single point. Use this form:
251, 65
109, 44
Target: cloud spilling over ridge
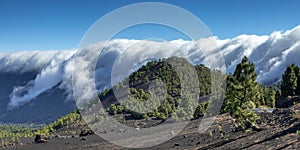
271, 54
47, 63
27, 61
48, 78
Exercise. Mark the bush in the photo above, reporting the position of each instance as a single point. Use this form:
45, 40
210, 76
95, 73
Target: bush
298, 132
112, 109
120, 109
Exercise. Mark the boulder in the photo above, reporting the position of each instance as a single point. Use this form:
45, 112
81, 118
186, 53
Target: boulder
57, 136
86, 133
39, 139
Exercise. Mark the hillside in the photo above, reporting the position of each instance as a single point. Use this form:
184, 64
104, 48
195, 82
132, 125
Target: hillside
278, 131
40, 109
139, 95
275, 124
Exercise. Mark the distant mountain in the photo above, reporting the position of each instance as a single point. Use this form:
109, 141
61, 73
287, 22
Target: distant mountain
36, 86
45, 108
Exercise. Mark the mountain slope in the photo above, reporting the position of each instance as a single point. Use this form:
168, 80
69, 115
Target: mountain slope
45, 108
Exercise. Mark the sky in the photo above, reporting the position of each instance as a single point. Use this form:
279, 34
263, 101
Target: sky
57, 24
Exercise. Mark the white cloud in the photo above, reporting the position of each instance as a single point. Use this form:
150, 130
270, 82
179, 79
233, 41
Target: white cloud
271, 54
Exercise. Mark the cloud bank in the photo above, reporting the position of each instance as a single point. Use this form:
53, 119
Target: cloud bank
271, 54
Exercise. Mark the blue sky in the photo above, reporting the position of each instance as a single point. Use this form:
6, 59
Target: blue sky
58, 24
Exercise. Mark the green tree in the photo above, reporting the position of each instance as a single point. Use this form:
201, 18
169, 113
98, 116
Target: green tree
263, 93
297, 73
289, 81
200, 110
270, 97
120, 109
112, 109
245, 76
242, 94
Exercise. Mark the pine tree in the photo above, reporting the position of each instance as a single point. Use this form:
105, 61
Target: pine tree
242, 94
268, 96
246, 80
263, 92
297, 73
271, 97
289, 82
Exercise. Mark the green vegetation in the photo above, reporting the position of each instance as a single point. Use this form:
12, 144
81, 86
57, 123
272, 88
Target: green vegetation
72, 119
167, 96
243, 94
268, 96
17, 131
200, 110
290, 85
112, 109
298, 132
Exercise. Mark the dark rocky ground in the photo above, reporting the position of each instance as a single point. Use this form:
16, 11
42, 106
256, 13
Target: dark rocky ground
278, 131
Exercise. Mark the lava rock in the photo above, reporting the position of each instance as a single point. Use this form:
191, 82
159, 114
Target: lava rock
86, 133
39, 139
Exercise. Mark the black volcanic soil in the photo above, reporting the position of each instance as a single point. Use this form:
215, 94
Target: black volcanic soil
278, 131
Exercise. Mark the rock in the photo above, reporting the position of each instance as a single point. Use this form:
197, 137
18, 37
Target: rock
57, 136
12, 144
83, 139
47, 138
86, 133
43, 141
39, 139
282, 102
176, 144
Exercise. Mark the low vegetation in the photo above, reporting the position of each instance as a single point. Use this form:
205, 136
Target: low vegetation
18, 130
70, 122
